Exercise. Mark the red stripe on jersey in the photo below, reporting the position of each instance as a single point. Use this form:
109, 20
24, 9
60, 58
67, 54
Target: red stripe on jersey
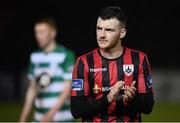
75, 69
112, 119
127, 78
111, 109
113, 80
86, 72
136, 119
126, 119
96, 119
113, 72
97, 79
97, 74
141, 82
128, 61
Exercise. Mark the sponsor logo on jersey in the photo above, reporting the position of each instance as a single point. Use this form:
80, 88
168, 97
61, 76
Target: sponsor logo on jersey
149, 81
128, 69
96, 89
97, 69
77, 84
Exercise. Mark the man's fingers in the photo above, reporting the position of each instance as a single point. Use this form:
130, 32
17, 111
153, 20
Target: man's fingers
121, 84
115, 90
128, 93
125, 97
133, 83
134, 89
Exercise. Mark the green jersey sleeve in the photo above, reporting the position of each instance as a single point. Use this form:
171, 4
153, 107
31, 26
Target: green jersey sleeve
31, 69
68, 65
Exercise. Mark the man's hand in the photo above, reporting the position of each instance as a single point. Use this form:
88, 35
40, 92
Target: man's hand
129, 92
115, 91
48, 117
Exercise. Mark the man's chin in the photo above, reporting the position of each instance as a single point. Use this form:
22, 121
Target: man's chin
41, 46
103, 47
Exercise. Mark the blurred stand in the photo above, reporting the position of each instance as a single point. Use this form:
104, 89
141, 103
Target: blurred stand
7, 86
167, 85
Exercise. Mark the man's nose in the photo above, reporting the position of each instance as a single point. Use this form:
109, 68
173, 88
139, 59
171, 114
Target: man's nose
103, 34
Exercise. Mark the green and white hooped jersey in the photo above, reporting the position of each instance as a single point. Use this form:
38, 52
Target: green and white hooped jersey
59, 65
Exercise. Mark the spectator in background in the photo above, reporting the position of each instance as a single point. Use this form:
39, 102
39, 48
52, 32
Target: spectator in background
50, 77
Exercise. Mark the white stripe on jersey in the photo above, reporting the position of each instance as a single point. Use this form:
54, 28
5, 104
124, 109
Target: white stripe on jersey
54, 87
53, 71
45, 102
48, 58
48, 103
59, 116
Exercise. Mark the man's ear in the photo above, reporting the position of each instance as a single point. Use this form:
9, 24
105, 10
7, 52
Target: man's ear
123, 33
54, 33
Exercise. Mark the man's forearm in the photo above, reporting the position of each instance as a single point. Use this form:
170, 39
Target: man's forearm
82, 107
25, 113
29, 99
62, 98
143, 103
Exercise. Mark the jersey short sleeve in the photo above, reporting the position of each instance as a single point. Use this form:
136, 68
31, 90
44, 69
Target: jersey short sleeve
68, 65
145, 77
80, 85
31, 69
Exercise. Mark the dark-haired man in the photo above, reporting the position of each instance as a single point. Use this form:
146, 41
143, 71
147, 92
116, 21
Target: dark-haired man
111, 83
50, 77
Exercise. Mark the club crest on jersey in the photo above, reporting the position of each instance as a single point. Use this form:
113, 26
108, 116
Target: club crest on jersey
128, 69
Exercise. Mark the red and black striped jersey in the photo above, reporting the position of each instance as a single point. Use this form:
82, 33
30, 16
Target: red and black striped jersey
94, 75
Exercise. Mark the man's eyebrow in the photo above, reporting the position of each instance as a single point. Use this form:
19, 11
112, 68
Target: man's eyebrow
109, 28
98, 26
105, 28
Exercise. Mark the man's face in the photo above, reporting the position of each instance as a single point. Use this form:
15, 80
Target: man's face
109, 33
44, 34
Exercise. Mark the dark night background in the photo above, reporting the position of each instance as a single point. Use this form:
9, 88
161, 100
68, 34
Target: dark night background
153, 27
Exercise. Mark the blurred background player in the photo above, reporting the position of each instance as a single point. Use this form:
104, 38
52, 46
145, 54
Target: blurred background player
111, 83
50, 76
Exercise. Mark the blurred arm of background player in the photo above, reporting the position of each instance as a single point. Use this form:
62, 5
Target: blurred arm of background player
62, 98
29, 100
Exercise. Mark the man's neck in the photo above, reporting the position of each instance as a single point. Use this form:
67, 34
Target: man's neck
112, 53
51, 46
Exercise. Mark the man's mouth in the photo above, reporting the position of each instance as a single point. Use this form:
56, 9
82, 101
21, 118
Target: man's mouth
103, 41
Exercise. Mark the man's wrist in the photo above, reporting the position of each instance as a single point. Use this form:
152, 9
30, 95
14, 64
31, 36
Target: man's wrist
108, 98
53, 111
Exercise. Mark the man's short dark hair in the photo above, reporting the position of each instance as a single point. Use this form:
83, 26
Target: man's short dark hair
113, 12
49, 21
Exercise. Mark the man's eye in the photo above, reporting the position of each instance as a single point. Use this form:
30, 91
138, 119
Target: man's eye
99, 28
109, 30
